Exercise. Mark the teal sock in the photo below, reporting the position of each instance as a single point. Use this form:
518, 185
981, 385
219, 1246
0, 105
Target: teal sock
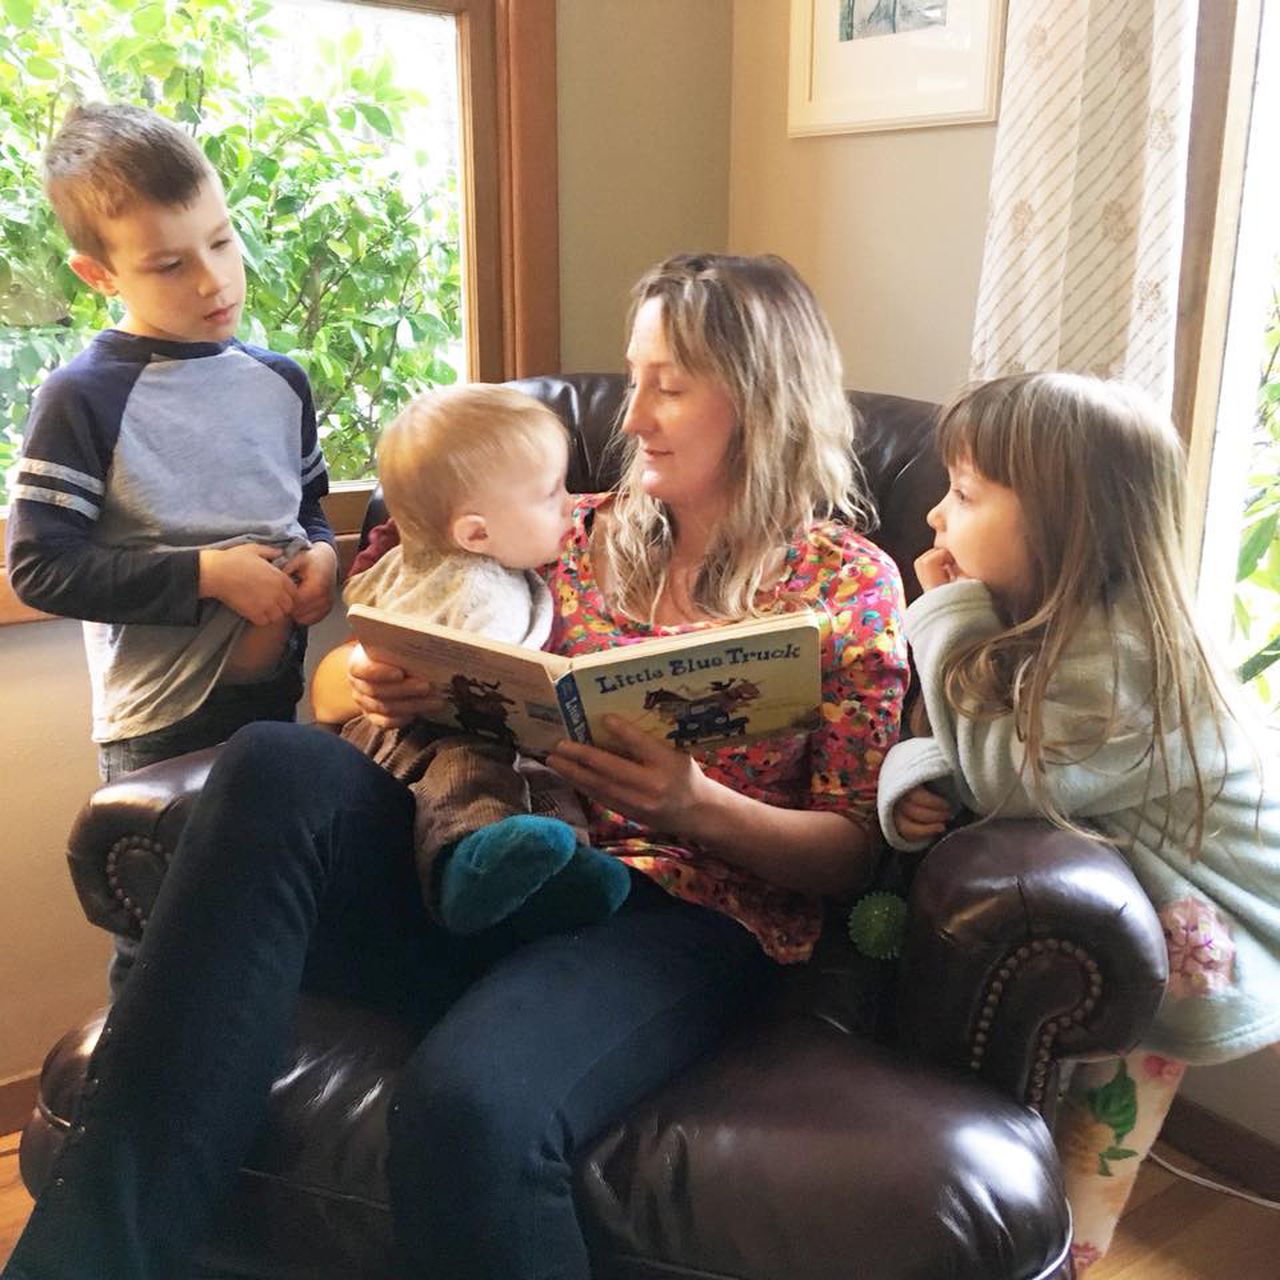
589, 888
491, 872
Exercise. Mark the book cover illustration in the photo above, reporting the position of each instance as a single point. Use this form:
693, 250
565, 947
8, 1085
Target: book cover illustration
480, 707
495, 690
702, 713
708, 688
704, 688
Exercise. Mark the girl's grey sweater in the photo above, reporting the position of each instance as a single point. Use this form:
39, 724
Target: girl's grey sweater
1221, 912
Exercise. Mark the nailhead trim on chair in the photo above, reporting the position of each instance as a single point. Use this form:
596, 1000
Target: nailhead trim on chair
1044, 1050
128, 844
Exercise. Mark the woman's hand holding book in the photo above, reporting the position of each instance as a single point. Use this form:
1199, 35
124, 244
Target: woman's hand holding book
642, 778
388, 695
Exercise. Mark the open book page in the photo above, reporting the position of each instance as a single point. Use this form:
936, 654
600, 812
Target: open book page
496, 690
708, 687
696, 690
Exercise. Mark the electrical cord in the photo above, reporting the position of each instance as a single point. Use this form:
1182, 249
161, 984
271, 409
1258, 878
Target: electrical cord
1212, 1186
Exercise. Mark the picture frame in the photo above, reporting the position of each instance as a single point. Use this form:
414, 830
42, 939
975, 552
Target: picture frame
860, 66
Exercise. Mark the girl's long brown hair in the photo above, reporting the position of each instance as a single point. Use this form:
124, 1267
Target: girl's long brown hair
1099, 473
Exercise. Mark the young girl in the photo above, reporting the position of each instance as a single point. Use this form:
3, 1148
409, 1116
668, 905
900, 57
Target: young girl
1064, 678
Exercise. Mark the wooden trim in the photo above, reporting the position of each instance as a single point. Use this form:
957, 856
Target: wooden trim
1230, 1149
528, 165
481, 192
348, 545
17, 1098
1198, 383
1214, 32
12, 610
345, 504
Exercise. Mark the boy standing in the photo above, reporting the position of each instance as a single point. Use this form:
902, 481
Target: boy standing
170, 483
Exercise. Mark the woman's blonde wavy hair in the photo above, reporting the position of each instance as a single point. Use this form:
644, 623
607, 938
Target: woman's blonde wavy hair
1099, 473
753, 326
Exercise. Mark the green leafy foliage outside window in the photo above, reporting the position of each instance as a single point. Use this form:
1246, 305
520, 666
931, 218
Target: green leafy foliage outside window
1257, 601
352, 266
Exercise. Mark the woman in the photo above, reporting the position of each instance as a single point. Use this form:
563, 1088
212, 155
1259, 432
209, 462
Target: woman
296, 867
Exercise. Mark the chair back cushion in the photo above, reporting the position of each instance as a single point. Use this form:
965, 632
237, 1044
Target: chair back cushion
894, 444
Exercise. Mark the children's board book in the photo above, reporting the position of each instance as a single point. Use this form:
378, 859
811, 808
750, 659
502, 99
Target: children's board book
701, 689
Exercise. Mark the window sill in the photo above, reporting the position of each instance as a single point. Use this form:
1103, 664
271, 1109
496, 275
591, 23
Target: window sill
12, 610
345, 507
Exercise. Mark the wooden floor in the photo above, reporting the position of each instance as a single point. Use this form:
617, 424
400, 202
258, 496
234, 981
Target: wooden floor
1172, 1230
15, 1204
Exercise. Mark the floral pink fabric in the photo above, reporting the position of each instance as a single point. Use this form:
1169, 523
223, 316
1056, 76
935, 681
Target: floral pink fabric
1168, 1070
1084, 1255
382, 537
856, 590
1201, 952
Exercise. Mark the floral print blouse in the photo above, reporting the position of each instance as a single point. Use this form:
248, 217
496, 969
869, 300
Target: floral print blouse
856, 591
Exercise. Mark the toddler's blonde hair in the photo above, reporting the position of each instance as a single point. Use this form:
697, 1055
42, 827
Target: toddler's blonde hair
445, 445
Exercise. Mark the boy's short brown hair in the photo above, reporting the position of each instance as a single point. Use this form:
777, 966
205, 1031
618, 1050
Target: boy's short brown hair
109, 156
445, 444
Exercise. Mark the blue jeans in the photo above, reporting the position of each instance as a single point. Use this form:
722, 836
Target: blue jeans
227, 708
296, 869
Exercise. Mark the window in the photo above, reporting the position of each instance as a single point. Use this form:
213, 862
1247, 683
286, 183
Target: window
1235, 437
391, 171
335, 132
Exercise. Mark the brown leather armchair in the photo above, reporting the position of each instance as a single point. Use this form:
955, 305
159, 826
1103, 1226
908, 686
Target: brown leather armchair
877, 1125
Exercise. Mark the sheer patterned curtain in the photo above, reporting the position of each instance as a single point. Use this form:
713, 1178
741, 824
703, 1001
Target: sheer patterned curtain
1084, 231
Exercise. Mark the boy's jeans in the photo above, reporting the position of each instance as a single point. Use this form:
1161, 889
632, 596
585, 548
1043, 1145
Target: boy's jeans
226, 709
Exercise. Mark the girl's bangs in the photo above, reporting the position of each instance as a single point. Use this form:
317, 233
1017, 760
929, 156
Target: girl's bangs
977, 434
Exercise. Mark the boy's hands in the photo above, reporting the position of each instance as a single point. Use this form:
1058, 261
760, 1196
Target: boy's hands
315, 570
245, 580
936, 567
921, 813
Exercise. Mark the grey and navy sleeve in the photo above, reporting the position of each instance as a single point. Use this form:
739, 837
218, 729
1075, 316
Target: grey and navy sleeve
53, 562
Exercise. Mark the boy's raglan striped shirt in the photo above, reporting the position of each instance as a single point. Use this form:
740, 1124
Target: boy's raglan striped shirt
139, 453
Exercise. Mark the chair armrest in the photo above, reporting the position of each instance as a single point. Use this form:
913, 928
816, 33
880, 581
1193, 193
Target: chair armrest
1026, 945
123, 838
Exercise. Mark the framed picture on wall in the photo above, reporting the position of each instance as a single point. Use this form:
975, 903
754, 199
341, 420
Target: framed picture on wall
864, 65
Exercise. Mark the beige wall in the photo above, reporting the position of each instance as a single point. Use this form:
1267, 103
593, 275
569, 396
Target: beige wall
887, 227
1244, 1091
644, 154
52, 962
673, 137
